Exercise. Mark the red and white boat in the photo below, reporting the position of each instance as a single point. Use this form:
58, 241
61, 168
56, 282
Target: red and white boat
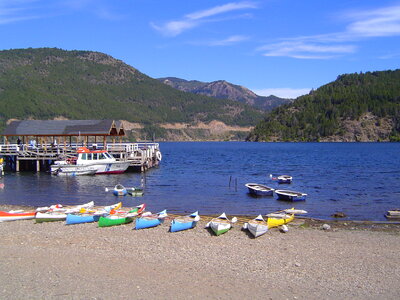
14, 215
89, 162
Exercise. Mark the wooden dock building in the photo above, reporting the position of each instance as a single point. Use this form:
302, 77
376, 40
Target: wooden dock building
33, 145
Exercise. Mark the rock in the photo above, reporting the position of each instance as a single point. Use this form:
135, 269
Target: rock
339, 215
326, 227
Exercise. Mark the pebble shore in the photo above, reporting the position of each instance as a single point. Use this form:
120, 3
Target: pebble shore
56, 261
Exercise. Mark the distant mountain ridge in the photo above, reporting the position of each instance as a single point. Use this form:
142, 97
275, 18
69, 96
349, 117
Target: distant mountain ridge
48, 83
225, 90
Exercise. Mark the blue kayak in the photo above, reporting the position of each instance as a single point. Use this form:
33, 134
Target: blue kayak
185, 222
77, 219
150, 220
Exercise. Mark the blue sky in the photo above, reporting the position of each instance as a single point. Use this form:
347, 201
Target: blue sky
281, 47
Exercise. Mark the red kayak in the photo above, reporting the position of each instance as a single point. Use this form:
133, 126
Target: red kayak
14, 215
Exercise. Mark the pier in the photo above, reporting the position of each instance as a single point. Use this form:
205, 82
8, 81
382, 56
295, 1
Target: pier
35, 145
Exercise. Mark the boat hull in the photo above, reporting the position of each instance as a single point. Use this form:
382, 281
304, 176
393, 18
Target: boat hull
14, 216
259, 189
290, 195
50, 217
90, 169
78, 219
220, 228
176, 225
257, 229
276, 222
113, 221
147, 222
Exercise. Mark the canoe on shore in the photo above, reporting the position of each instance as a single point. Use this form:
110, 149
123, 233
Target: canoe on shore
221, 224
257, 226
150, 220
185, 222
14, 215
120, 217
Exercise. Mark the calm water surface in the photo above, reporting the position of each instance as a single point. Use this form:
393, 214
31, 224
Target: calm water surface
359, 179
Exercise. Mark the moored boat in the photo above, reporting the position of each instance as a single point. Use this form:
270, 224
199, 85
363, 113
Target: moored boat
99, 160
221, 224
14, 215
393, 214
149, 220
290, 195
184, 222
258, 226
285, 179
119, 190
259, 189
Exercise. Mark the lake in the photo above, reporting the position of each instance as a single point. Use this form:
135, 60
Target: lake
360, 179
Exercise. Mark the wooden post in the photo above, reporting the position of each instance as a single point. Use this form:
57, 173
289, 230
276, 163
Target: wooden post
38, 166
16, 164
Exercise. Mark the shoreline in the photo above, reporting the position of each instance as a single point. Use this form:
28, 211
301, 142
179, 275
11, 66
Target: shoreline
52, 260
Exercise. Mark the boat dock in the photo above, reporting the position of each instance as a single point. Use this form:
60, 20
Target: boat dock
34, 145
17, 157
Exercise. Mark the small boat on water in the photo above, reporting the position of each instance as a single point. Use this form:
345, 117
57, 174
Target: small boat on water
393, 214
259, 189
118, 217
258, 226
148, 220
87, 161
221, 224
14, 215
135, 191
284, 179
290, 195
119, 190
184, 222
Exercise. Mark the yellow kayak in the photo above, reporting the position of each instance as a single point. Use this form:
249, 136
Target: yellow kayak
279, 220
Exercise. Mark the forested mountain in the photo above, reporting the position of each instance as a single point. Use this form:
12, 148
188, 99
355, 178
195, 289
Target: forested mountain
355, 107
49, 83
224, 90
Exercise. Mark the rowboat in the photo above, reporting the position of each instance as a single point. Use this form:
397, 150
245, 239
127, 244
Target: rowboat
257, 226
259, 189
119, 190
135, 191
184, 222
393, 214
148, 220
221, 224
283, 217
14, 215
284, 179
290, 195
99, 160
120, 217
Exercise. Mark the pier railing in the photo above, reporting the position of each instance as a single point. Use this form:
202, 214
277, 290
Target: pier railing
143, 155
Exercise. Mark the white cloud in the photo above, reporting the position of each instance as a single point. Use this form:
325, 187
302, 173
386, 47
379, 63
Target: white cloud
305, 50
191, 20
234, 39
362, 25
375, 23
282, 92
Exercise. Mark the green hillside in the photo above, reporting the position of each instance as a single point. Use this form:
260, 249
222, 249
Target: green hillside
46, 83
354, 107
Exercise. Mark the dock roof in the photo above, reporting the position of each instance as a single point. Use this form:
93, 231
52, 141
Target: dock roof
64, 128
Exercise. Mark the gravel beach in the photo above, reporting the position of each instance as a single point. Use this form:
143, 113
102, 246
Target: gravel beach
56, 261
